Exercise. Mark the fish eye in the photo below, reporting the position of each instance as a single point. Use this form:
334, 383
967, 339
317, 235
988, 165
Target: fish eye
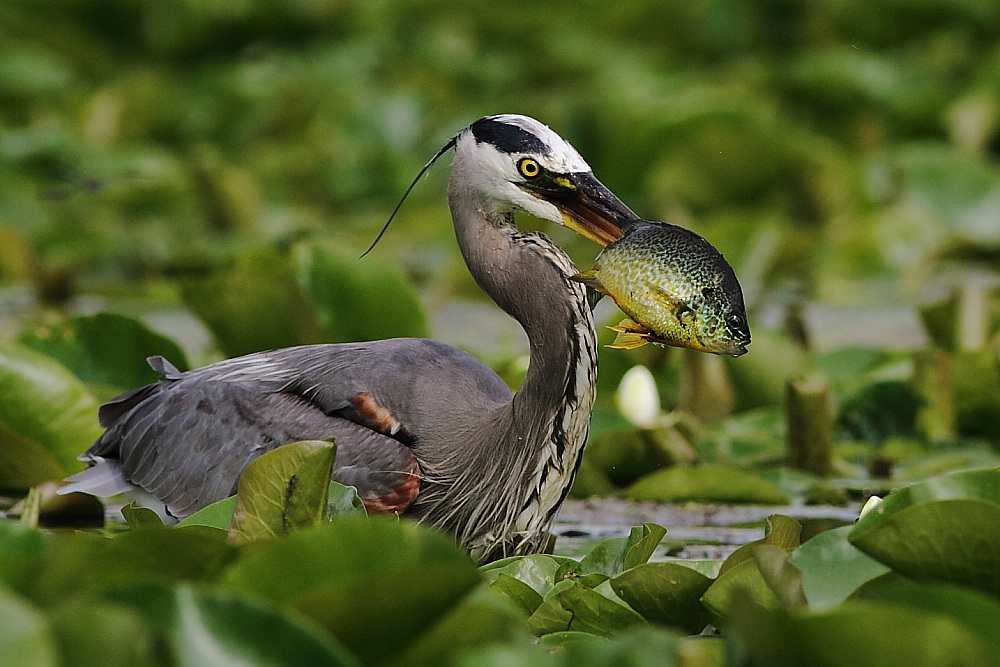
529, 168
734, 321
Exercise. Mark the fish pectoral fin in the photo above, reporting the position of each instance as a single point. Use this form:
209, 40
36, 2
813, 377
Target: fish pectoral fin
590, 279
630, 335
664, 297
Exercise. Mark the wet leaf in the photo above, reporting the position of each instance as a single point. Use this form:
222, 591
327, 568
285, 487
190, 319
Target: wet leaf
740, 580
780, 531
105, 349
713, 483
781, 575
665, 593
944, 529
47, 417
573, 606
283, 490
832, 568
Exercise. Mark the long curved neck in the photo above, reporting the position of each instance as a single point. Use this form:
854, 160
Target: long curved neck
542, 432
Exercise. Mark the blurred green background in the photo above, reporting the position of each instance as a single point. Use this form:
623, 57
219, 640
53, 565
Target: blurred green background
215, 167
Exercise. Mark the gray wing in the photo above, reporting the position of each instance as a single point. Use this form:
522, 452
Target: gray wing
186, 439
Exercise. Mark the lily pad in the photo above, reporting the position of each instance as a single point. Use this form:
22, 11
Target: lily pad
832, 568
573, 606
943, 529
617, 554
26, 639
538, 571
714, 483
105, 349
283, 490
47, 417
221, 629
665, 593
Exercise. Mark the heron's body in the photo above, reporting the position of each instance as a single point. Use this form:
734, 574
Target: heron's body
422, 428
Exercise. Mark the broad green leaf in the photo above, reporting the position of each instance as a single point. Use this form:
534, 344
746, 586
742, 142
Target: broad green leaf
781, 575
859, 634
976, 611
380, 613
141, 517
283, 490
479, 619
26, 639
616, 554
97, 633
254, 305
47, 418
740, 580
83, 563
214, 628
538, 570
944, 529
713, 483
105, 349
832, 568
22, 550
349, 548
517, 592
357, 299
665, 593
217, 515
343, 501
780, 531
573, 606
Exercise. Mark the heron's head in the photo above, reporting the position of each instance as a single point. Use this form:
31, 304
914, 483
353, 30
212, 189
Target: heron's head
516, 162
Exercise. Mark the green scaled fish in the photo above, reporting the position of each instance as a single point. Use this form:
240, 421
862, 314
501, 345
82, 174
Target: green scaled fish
675, 286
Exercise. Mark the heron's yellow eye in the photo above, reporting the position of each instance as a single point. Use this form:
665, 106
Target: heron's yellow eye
528, 167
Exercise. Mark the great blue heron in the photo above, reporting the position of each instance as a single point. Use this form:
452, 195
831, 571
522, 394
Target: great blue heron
422, 428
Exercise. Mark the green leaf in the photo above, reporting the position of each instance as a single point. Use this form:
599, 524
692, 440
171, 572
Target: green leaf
614, 555
714, 483
254, 305
85, 563
781, 575
517, 592
745, 578
832, 568
573, 606
213, 628
357, 299
217, 515
944, 529
47, 418
343, 501
349, 548
25, 637
665, 593
976, 611
858, 634
479, 619
22, 550
780, 531
283, 490
105, 349
539, 571
141, 517
96, 633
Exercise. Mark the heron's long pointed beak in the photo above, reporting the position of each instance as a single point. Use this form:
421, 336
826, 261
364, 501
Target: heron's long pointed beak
587, 206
